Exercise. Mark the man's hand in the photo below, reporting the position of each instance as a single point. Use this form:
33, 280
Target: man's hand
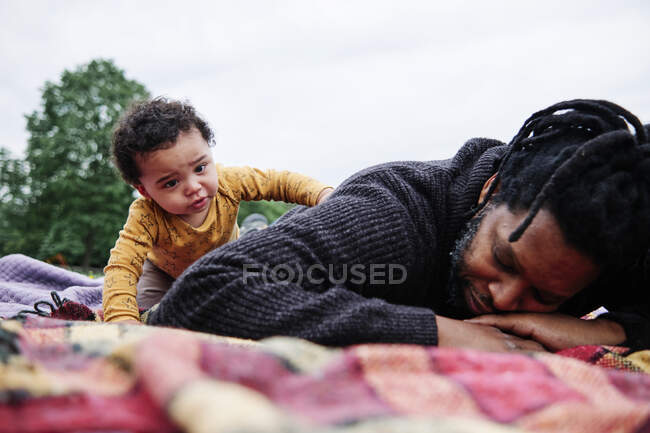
324, 194
458, 333
555, 331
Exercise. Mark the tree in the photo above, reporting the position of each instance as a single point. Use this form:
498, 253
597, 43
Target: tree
12, 184
272, 210
72, 200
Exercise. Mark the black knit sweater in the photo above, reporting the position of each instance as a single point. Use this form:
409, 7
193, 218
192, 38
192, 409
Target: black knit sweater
323, 273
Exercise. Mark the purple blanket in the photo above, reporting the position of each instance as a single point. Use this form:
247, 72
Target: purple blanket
25, 281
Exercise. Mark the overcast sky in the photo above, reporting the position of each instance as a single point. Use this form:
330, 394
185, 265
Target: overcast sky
329, 87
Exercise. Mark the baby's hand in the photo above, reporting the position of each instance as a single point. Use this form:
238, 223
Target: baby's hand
323, 195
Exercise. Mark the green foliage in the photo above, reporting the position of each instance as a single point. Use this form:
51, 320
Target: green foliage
12, 181
272, 210
66, 197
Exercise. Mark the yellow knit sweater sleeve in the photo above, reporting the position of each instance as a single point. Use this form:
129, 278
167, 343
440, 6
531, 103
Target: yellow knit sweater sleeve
125, 263
247, 183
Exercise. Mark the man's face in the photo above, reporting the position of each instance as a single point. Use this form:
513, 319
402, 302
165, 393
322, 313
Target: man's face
537, 273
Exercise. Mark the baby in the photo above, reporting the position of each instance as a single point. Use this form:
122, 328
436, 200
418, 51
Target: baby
188, 206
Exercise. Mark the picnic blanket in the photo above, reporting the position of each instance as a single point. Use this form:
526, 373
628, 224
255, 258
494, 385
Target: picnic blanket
25, 281
84, 376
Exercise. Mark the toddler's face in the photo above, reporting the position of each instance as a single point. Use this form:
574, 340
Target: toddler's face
182, 179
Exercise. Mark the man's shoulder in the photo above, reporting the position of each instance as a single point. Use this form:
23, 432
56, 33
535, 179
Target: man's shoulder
390, 175
477, 154
478, 151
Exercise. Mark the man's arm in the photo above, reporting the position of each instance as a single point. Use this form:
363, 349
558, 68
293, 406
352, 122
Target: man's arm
459, 333
278, 282
556, 331
635, 323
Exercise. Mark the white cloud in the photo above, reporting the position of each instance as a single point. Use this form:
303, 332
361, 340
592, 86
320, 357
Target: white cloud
329, 87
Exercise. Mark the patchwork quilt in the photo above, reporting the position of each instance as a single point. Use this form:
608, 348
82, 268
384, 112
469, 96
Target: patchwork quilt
87, 376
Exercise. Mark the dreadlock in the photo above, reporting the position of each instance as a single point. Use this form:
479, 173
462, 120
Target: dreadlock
579, 160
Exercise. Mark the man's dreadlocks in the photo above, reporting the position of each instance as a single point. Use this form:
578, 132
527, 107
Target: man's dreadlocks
579, 160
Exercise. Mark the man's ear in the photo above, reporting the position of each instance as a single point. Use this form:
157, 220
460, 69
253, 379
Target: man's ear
486, 187
143, 192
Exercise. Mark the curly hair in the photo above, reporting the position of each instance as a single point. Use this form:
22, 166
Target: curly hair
579, 160
151, 125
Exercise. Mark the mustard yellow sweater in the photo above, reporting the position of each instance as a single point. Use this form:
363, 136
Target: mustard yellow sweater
172, 244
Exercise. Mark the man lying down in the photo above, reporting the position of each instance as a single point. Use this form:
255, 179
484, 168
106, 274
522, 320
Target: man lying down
502, 247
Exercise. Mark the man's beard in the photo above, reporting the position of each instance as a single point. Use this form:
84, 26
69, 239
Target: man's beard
456, 284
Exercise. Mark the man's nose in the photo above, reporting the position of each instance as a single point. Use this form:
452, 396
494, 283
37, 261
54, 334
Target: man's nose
507, 293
